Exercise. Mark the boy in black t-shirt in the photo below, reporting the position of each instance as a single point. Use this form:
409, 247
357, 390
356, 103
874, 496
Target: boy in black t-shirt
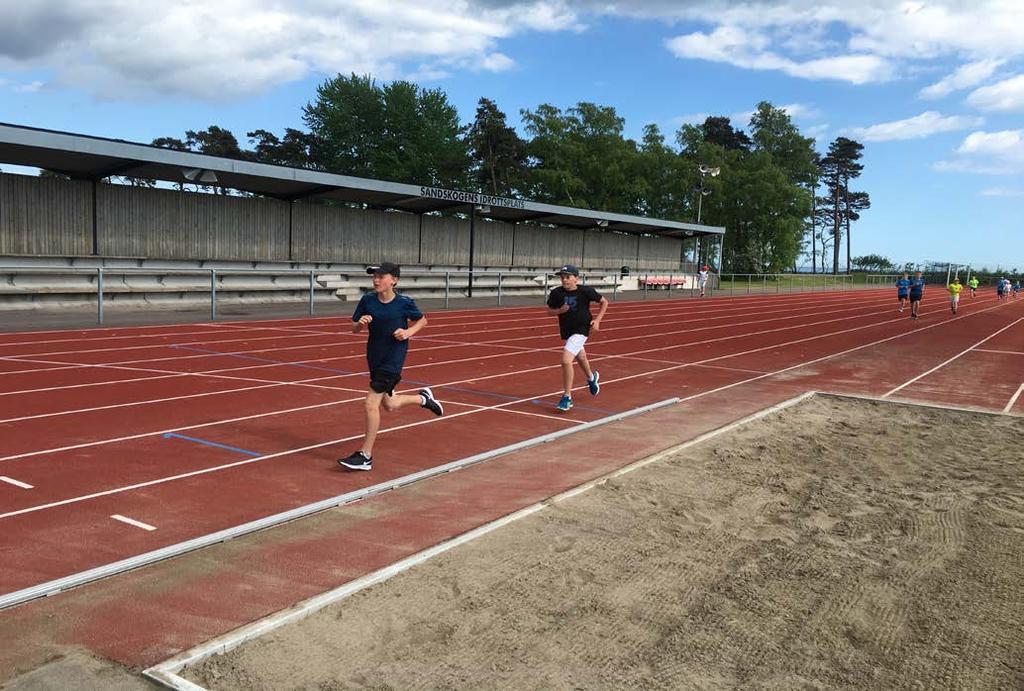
392, 320
571, 304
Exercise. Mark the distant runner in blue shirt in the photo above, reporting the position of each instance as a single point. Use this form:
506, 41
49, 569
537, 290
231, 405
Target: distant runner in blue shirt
903, 290
1001, 288
392, 320
916, 293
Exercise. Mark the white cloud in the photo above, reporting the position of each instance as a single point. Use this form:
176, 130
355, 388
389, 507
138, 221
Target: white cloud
497, 62
918, 127
988, 153
1005, 96
29, 88
744, 48
966, 76
235, 48
689, 119
1003, 192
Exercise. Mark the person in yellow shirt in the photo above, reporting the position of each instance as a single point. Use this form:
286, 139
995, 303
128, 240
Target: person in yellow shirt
954, 289
973, 283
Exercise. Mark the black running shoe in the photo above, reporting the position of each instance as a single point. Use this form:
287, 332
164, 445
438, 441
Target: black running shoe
431, 403
357, 461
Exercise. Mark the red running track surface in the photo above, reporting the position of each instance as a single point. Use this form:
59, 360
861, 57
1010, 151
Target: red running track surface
257, 412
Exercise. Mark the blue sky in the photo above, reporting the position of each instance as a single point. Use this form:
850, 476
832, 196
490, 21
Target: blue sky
934, 90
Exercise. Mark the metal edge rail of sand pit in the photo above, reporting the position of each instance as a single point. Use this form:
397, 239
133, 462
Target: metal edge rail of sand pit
168, 672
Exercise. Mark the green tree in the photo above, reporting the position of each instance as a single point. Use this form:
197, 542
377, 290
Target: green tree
397, 131
580, 158
873, 262
839, 166
297, 149
497, 153
719, 130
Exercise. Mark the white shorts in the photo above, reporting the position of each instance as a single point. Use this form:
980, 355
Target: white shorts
954, 299
574, 344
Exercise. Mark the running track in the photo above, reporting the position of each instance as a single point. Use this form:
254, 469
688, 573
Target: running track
115, 442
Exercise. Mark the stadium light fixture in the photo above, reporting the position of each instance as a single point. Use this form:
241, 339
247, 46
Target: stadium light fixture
602, 223
199, 175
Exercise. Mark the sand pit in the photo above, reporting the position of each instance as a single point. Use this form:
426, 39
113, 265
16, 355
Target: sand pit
839, 543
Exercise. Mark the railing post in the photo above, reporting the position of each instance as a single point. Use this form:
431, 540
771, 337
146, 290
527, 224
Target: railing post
646, 280
749, 279
499, 289
732, 284
670, 284
311, 293
213, 294
447, 287
99, 295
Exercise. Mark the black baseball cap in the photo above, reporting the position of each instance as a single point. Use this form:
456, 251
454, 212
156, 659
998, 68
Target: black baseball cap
385, 268
568, 269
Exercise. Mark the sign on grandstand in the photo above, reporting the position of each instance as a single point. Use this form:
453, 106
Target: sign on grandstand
471, 198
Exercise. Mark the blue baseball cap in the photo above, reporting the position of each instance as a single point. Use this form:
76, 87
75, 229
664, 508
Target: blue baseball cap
568, 269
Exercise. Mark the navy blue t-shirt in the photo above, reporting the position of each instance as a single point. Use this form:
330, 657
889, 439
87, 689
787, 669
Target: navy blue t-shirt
917, 286
902, 285
383, 351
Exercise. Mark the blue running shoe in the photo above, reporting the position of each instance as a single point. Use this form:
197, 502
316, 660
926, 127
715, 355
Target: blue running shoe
595, 387
564, 405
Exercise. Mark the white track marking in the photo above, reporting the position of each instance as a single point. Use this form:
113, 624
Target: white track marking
1013, 399
1000, 352
26, 358
483, 378
707, 315
133, 522
16, 483
204, 471
955, 357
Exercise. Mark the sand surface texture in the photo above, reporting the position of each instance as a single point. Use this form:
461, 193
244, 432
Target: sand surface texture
839, 543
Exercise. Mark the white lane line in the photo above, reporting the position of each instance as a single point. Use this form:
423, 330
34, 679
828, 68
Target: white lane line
429, 364
705, 315
506, 374
341, 440
16, 483
955, 357
671, 306
1000, 352
1013, 399
545, 335
133, 522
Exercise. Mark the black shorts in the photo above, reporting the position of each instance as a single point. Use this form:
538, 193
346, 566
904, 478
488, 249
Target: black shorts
384, 382
901, 296
916, 297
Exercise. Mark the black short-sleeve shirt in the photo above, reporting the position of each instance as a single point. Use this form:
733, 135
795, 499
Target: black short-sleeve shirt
383, 352
577, 319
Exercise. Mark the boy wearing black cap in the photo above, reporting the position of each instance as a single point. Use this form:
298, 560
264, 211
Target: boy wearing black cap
388, 316
571, 304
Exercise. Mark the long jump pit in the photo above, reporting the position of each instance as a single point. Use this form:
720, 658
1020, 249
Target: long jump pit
830, 542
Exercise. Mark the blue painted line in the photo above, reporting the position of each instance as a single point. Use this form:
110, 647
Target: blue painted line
269, 361
205, 442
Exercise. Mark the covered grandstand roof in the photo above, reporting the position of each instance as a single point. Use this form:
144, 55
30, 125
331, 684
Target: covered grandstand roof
82, 156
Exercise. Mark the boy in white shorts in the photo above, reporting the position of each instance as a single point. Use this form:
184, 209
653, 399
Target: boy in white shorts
702, 279
570, 302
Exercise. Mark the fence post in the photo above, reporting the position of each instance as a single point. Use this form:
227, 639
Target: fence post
764, 284
311, 293
99, 295
646, 278
615, 287
670, 284
213, 294
749, 279
499, 289
447, 282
